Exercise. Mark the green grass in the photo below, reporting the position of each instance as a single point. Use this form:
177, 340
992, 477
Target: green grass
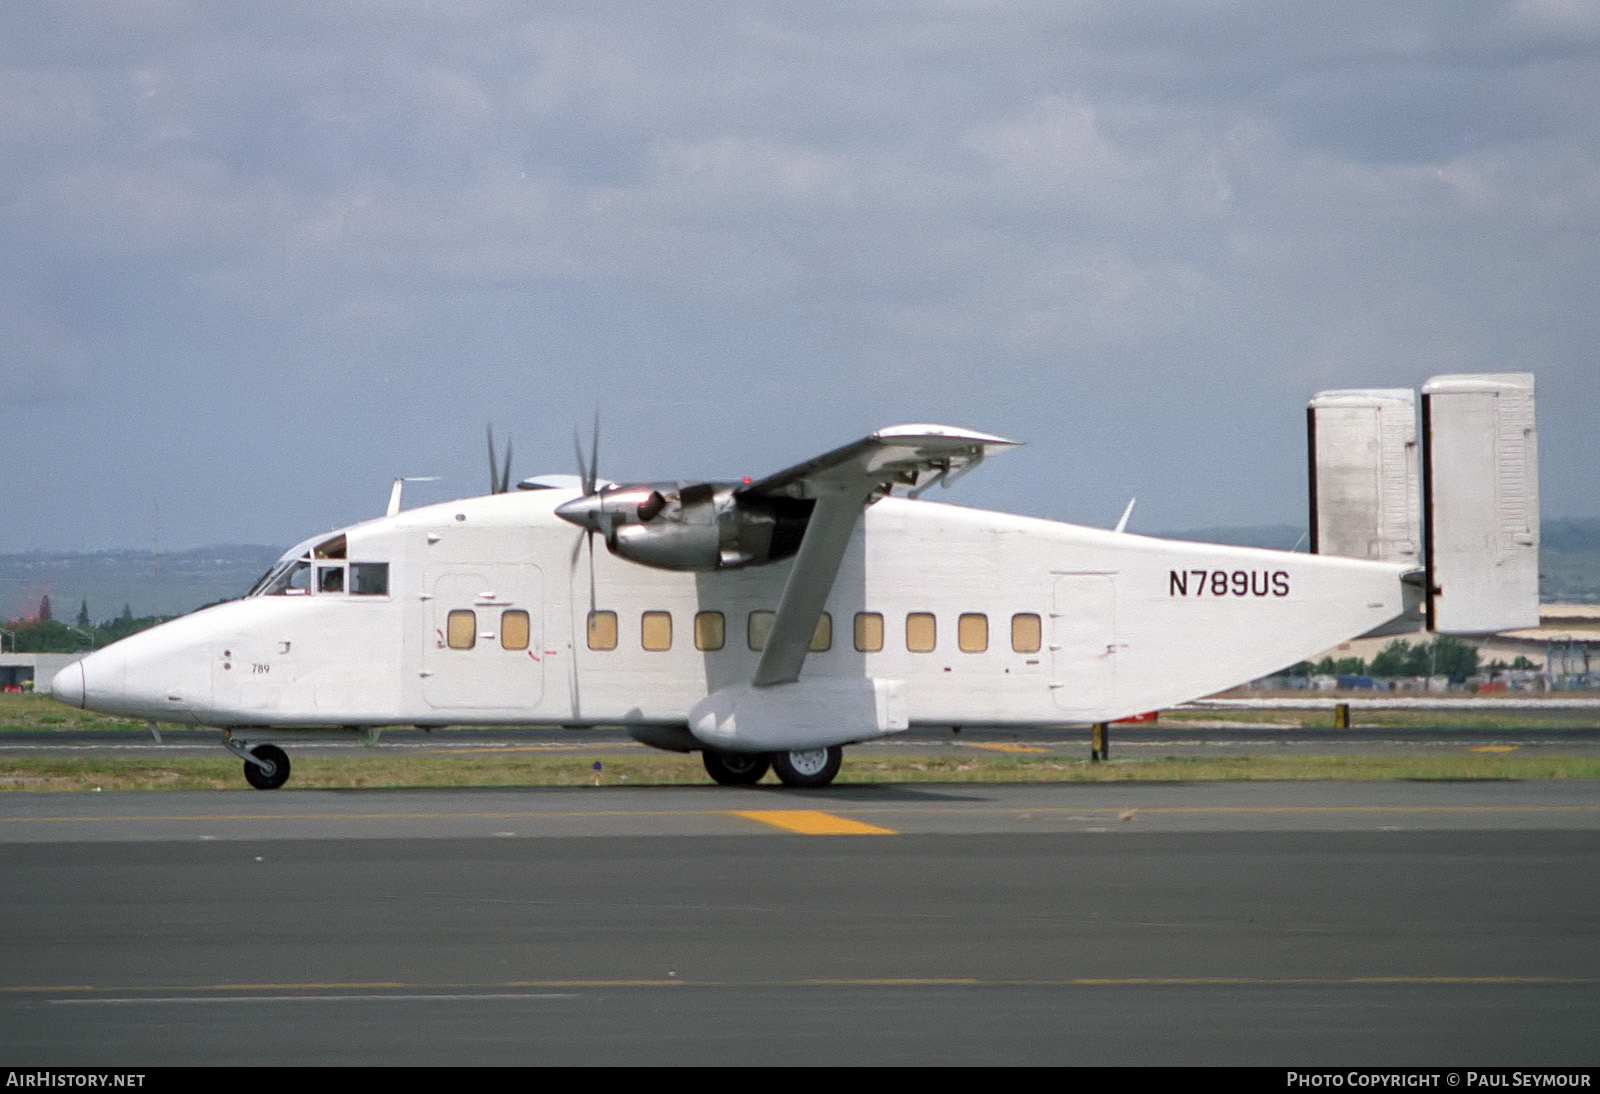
37, 713
633, 766
574, 767
1396, 719
41, 712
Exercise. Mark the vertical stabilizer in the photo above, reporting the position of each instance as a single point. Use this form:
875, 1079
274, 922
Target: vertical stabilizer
1365, 494
1481, 502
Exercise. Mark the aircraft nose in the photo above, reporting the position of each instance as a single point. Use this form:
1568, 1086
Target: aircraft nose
67, 685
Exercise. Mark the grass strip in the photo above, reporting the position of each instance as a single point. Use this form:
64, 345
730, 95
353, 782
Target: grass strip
376, 768
36, 713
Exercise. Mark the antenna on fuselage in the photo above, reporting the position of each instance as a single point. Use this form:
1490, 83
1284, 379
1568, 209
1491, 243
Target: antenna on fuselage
399, 487
1122, 523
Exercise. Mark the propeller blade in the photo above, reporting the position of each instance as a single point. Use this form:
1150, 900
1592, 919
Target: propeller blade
594, 456
494, 482
505, 474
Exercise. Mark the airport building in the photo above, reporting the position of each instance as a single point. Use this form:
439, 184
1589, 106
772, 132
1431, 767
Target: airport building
33, 671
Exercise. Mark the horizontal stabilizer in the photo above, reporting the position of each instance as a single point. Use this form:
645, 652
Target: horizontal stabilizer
1459, 495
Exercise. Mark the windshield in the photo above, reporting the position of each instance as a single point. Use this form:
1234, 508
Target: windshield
289, 579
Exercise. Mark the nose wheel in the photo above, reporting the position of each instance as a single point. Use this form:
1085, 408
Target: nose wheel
271, 772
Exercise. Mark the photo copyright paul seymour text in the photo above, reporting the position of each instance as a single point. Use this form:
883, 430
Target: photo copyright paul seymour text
1467, 1079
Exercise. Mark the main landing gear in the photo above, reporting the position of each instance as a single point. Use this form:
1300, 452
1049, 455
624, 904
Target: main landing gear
804, 768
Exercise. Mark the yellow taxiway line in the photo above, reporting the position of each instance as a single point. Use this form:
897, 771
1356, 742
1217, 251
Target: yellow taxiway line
813, 822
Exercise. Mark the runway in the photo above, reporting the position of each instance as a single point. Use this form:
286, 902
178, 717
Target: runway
1286, 924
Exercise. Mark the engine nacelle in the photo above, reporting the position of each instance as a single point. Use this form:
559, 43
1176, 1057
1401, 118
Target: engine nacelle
668, 546
704, 526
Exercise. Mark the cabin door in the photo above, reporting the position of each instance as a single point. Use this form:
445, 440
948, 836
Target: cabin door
484, 647
1083, 642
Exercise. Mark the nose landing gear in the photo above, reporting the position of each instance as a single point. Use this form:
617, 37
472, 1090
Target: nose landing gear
266, 767
273, 770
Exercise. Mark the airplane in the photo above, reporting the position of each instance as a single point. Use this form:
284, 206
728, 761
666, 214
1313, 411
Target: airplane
768, 624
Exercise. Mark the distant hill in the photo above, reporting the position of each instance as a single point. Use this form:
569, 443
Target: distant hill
180, 581
168, 584
1569, 561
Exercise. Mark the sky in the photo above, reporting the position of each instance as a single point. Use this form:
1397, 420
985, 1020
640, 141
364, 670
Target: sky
256, 260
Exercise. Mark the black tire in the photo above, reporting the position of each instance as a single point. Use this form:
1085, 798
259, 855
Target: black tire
808, 767
735, 768
267, 780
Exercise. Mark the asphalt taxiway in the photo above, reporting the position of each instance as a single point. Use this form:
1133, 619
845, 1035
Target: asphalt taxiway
1271, 923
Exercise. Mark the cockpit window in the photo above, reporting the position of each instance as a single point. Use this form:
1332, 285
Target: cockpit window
292, 574
331, 548
262, 582
369, 578
293, 579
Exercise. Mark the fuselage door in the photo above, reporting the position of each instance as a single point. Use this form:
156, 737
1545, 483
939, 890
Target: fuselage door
484, 646
1083, 642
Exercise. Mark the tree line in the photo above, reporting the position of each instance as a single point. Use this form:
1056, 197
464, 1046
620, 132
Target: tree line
42, 632
1444, 656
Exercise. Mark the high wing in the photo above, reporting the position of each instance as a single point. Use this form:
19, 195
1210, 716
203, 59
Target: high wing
915, 456
842, 483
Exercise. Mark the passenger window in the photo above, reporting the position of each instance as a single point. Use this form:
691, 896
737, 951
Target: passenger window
602, 630
369, 578
655, 630
822, 637
461, 629
1026, 633
330, 579
972, 632
760, 626
869, 632
514, 629
709, 631
922, 632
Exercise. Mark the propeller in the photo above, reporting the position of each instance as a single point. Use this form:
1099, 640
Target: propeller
589, 474
499, 476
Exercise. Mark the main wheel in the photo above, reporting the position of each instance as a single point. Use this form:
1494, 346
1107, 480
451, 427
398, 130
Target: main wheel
735, 768
267, 779
808, 767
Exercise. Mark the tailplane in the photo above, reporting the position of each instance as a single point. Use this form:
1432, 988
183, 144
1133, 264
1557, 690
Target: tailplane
1458, 495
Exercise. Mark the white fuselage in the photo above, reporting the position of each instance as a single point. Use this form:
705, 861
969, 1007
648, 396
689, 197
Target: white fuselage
1125, 624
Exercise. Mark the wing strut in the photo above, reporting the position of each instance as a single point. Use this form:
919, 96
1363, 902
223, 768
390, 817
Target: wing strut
843, 483
815, 567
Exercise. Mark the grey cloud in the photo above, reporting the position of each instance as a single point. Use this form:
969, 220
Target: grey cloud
790, 220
